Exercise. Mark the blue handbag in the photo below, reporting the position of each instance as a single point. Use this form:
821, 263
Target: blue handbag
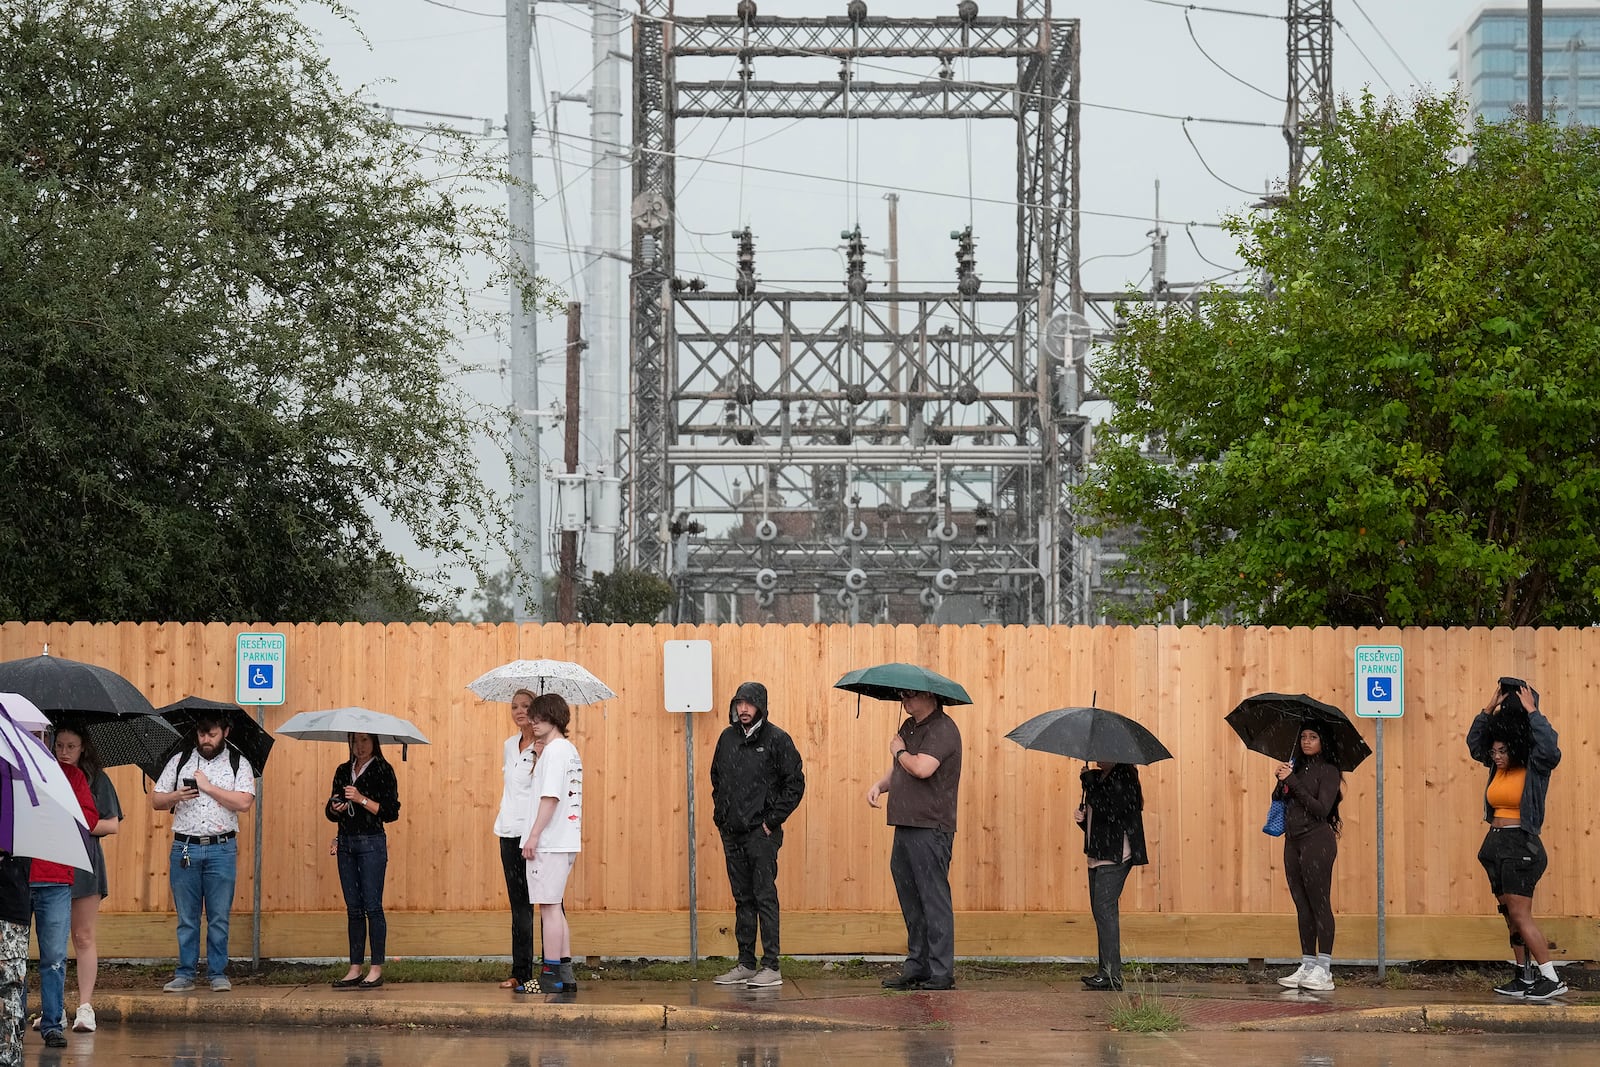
1274, 826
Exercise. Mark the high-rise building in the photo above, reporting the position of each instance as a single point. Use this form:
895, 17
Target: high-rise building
1492, 62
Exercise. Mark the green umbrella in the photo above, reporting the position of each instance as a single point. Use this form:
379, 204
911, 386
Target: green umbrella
886, 680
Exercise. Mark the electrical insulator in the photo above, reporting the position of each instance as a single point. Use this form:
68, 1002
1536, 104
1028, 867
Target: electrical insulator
967, 280
856, 258
746, 282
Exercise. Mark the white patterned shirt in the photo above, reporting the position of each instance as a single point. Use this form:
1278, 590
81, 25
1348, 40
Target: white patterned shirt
203, 816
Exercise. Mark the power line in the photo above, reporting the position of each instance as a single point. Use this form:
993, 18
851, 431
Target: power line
1362, 52
464, 10
1207, 166
1414, 79
834, 179
1219, 10
1248, 85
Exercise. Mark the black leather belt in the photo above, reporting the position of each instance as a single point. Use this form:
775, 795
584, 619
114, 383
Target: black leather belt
214, 839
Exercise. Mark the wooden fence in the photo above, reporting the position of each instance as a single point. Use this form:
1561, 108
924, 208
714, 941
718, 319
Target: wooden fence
1214, 887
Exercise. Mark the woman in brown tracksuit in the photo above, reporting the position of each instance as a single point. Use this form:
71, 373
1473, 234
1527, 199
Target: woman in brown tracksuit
1310, 786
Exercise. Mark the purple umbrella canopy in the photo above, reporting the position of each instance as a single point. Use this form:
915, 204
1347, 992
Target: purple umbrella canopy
39, 812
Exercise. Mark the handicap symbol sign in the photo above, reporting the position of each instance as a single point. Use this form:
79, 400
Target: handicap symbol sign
1380, 688
260, 676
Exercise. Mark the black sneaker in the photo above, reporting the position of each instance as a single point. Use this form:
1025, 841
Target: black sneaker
903, 981
1516, 987
57, 1039
1544, 989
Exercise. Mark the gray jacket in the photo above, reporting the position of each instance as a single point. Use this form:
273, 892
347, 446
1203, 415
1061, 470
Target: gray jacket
1543, 755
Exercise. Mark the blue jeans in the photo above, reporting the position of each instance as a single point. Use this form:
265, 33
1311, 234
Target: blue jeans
208, 881
52, 919
363, 860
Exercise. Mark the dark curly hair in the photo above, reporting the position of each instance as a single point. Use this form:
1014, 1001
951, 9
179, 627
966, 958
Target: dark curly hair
1510, 727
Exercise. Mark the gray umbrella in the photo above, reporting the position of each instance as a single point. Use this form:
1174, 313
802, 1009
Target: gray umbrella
1093, 734
338, 724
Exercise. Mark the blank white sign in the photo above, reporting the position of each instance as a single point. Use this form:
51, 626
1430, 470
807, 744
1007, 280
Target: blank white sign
686, 675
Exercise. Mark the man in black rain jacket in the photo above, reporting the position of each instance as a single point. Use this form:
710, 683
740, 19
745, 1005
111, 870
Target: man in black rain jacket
756, 783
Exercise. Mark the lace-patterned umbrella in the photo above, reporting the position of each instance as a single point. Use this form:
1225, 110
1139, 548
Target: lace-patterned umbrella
572, 682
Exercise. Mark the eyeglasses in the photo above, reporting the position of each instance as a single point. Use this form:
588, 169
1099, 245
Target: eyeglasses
907, 694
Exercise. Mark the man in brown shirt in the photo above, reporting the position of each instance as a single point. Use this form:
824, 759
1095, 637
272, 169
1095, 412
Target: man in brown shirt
922, 784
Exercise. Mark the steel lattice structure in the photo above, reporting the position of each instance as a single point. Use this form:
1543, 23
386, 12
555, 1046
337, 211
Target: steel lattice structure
910, 445
1310, 97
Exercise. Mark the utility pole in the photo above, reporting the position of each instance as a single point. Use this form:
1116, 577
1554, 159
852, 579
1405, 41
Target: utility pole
893, 259
523, 323
567, 594
1536, 61
609, 358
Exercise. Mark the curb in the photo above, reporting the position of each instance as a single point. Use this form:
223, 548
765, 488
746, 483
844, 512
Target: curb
536, 1016
1521, 1019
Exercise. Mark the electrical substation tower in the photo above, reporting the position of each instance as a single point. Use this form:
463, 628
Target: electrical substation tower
1309, 102
794, 457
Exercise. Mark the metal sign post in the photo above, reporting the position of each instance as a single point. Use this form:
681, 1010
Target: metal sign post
686, 683
1380, 694
260, 678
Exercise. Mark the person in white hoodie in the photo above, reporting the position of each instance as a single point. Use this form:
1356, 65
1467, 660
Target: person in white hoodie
553, 839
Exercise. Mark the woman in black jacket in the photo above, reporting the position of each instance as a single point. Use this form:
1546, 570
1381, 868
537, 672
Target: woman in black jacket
1112, 816
365, 796
1309, 786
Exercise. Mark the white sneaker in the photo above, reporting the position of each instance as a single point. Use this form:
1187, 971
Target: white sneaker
1292, 981
740, 975
1318, 981
83, 1022
37, 1019
765, 978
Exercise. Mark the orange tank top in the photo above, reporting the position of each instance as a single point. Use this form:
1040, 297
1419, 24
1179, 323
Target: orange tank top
1504, 794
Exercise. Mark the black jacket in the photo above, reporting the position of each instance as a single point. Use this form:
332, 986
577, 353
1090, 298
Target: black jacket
1543, 755
758, 779
15, 901
1117, 806
379, 783
1311, 793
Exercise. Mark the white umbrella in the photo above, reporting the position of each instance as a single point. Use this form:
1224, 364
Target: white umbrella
24, 712
39, 813
572, 682
338, 723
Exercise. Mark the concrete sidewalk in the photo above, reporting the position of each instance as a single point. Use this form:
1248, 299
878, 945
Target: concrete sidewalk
834, 1004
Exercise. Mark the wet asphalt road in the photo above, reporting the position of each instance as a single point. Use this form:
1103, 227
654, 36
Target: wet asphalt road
115, 1047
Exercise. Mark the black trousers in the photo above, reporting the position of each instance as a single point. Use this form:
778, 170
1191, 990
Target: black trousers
920, 866
753, 876
1308, 864
1105, 891
516, 872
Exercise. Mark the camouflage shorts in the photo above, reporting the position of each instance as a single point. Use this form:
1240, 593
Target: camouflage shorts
13, 984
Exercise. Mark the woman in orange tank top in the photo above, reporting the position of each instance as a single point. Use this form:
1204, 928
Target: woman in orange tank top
1518, 745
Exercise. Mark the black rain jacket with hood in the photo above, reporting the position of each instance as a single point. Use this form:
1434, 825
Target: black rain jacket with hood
758, 779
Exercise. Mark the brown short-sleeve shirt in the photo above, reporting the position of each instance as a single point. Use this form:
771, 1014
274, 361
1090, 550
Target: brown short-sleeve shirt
928, 802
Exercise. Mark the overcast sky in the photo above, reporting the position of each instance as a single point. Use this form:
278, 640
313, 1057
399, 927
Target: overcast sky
816, 178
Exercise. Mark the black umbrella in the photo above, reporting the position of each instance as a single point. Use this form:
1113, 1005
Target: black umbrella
1090, 734
244, 733
1270, 723
57, 684
131, 739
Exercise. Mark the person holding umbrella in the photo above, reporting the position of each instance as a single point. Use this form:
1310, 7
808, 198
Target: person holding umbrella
553, 839
15, 913
923, 782
1310, 786
1519, 746
365, 796
75, 747
517, 756
1112, 816
50, 890
1111, 812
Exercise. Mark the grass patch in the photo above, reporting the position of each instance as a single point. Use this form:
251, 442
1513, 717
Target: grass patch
1144, 1013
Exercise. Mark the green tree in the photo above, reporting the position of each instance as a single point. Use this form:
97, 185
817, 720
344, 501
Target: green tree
1401, 428
624, 595
229, 292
